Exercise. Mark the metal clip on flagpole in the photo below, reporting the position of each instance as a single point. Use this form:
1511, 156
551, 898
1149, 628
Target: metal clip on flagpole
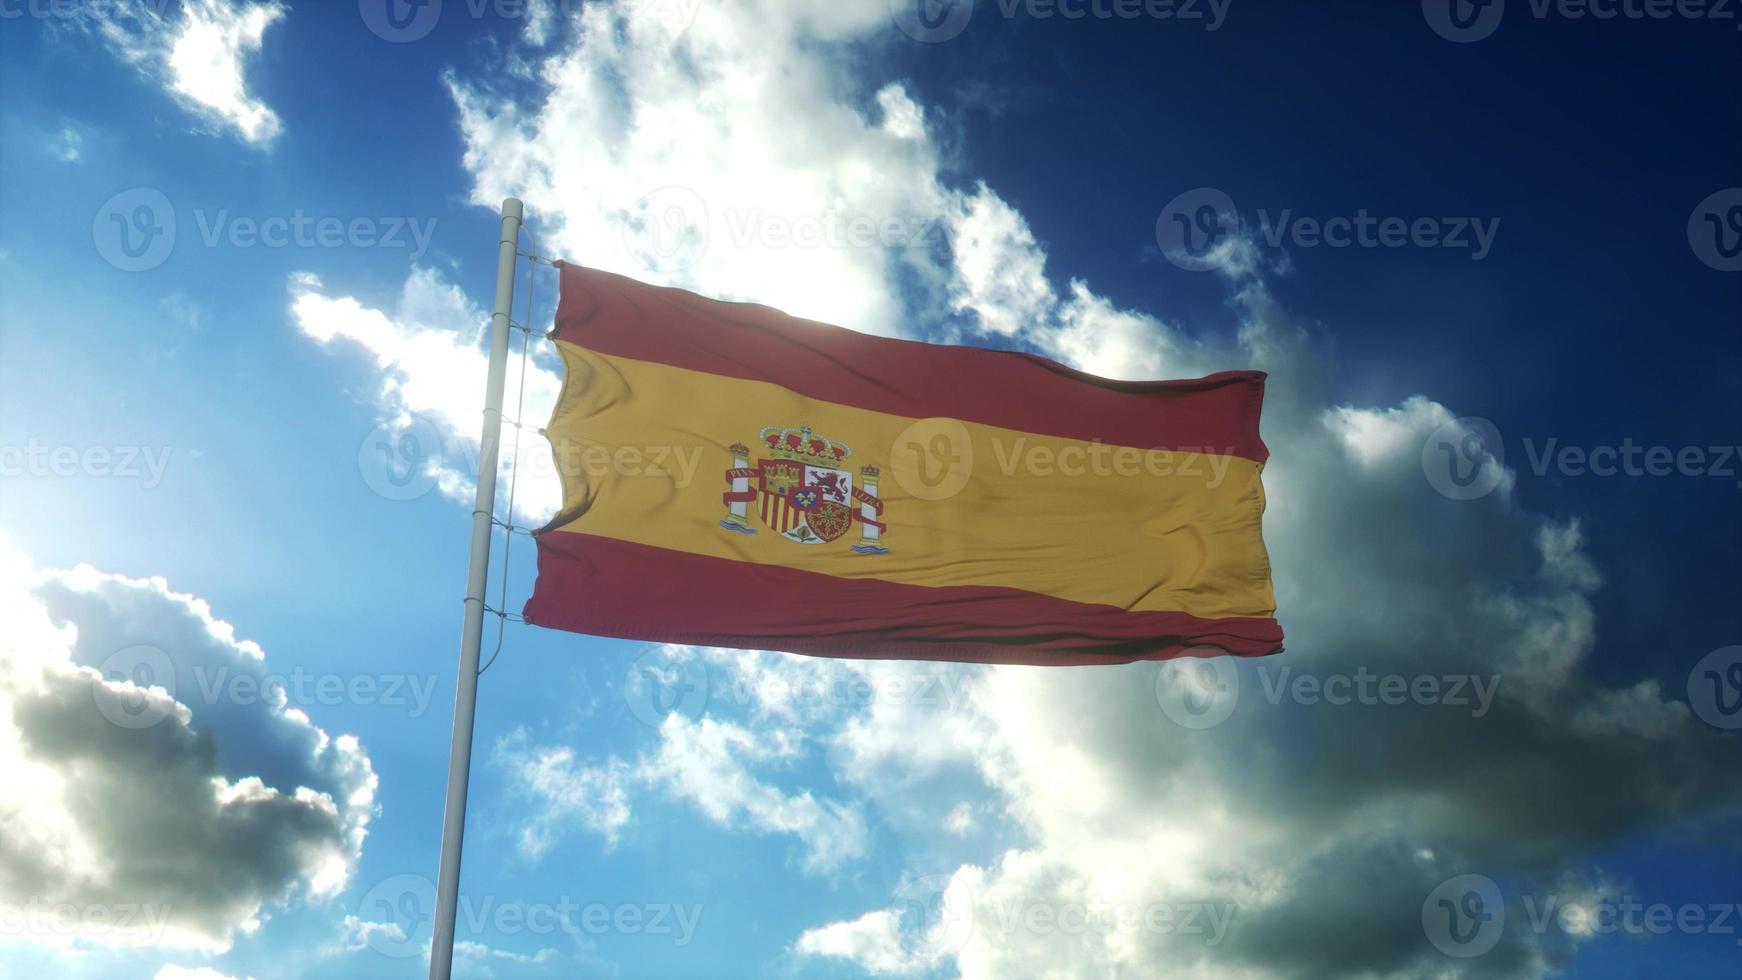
441, 950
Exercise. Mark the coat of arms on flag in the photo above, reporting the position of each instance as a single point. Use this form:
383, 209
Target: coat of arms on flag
802, 491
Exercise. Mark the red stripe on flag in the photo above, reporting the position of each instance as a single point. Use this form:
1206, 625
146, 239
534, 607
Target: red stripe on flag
615, 315
607, 587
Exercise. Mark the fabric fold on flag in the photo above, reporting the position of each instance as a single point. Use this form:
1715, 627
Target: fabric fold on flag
733, 476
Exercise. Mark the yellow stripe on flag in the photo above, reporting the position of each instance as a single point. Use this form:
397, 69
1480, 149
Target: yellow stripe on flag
644, 452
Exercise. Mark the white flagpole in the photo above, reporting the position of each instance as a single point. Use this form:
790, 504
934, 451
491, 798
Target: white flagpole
441, 949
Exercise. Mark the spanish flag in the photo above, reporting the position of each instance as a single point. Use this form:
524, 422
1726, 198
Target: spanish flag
733, 476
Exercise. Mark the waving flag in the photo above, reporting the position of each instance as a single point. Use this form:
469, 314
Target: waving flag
737, 477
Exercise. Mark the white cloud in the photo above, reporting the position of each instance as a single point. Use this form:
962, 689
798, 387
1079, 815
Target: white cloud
199, 57
430, 353
594, 796
68, 145
693, 156
871, 941
540, 18
361, 934
1000, 273
720, 768
116, 766
484, 957
959, 820
478, 960
708, 763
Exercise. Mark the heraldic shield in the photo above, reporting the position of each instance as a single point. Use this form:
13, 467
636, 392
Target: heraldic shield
802, 492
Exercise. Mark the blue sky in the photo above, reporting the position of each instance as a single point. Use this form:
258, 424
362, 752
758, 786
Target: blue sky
276, 437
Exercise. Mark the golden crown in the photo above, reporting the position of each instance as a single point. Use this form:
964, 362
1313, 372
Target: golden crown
803, 445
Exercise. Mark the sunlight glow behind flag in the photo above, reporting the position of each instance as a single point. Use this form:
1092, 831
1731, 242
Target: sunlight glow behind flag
733, 476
